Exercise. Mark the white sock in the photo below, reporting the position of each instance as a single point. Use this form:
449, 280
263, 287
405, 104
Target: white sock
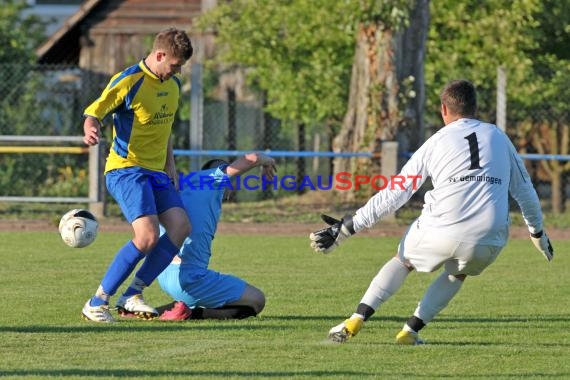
100, 293
356, 315
387, 282
437, 296
137, 284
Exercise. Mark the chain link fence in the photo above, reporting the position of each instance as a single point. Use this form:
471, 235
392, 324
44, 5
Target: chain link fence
49, 101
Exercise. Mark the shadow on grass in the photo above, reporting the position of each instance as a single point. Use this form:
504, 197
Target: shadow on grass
506, 318
263, 323
250, 374
472, 344
439, 319
147, 326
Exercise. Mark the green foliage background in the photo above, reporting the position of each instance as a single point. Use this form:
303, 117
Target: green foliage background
299, 53
471, 39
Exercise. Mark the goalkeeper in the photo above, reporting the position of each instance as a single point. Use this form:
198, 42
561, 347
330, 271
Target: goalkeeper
199, 292
464, 223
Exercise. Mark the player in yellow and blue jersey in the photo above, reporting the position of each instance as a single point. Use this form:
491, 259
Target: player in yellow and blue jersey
143, 100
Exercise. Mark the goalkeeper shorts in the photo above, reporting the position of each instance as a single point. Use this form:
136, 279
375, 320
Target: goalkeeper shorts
427, 251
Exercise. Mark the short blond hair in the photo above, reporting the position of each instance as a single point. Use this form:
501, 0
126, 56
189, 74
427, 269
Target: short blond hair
175, 42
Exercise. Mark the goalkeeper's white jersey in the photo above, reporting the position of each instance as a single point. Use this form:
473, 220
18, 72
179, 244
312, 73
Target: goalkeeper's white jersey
473, 166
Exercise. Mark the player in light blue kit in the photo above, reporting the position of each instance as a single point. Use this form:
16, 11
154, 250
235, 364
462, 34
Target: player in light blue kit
199, 292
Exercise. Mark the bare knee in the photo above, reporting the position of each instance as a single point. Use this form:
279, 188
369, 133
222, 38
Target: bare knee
145, 243
252, 297
176, 224
259, 303
146, 234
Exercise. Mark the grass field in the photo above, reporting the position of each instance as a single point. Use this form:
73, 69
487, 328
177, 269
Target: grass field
510, 323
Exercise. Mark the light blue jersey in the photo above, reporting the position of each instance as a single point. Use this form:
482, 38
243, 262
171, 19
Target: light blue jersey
192, 282
203, 204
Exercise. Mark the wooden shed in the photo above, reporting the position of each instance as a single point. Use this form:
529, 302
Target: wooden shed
105, 36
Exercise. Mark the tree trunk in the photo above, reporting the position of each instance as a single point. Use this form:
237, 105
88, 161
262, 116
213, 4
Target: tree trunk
374, 113
410, 69
553, 138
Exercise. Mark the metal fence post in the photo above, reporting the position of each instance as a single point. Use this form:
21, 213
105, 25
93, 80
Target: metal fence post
389, 166
96, 179
501, 98
196, 115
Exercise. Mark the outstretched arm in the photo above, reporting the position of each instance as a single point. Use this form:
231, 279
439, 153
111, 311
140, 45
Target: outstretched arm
250, 161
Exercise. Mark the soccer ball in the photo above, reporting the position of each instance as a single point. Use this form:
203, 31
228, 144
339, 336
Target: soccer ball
78, 228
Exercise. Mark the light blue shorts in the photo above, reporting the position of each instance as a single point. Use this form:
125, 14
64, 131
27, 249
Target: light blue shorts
142, 192
198, 287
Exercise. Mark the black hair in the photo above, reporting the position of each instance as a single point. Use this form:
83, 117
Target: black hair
214, 163
460, 98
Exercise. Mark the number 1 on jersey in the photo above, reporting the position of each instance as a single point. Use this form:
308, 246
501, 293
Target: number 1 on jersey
474, 151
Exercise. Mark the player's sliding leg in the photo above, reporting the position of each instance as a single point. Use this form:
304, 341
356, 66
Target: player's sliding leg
224, 312
180, 312
436, 298
250, 304
386, 283
97, 308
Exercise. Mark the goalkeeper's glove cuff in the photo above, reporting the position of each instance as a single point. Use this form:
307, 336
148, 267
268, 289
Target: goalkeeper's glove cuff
542, 243
348, 224
346, 229
328, 238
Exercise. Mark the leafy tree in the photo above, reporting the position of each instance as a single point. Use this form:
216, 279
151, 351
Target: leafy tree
543, 119
375, 106
298, 52
19, 35
25, 102
470, 39
301, 52
295, 52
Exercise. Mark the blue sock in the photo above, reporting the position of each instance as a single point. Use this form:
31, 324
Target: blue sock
96, 301
122, 266
156, 261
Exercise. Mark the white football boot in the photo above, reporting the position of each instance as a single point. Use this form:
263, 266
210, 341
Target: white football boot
97, 313
135, 305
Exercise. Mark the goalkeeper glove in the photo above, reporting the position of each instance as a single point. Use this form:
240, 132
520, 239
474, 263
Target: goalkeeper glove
542, 243
328, 238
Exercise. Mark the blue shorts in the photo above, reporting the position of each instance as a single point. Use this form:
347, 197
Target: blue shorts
201, 287
140, 192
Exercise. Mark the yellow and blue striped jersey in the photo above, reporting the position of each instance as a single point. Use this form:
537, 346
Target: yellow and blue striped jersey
143, 108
